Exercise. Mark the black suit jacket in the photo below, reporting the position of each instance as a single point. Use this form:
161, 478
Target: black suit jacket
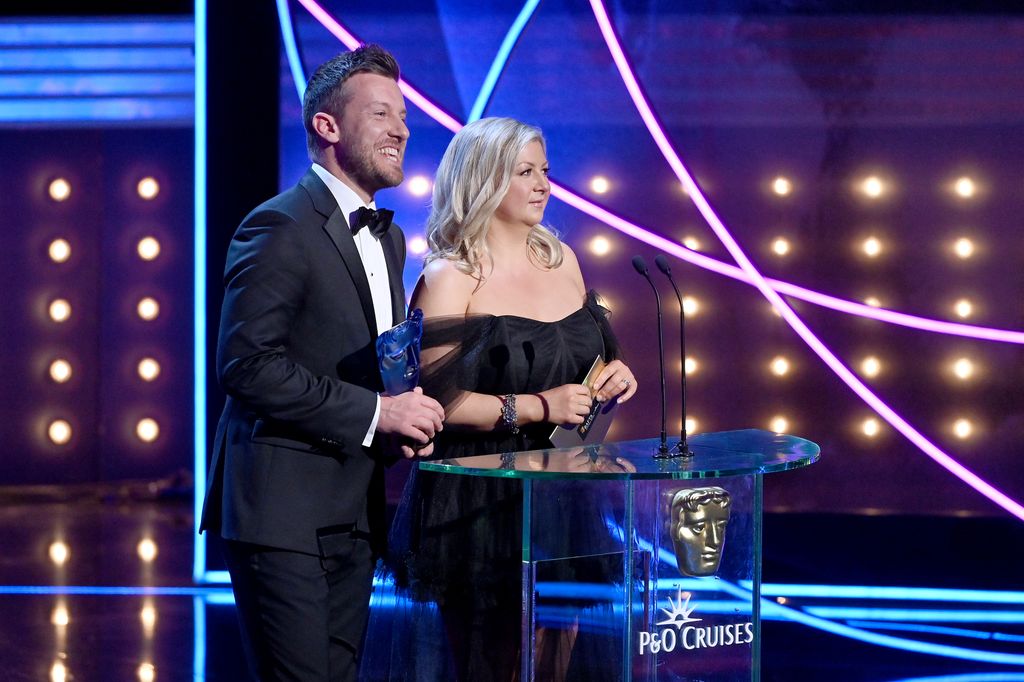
296, 358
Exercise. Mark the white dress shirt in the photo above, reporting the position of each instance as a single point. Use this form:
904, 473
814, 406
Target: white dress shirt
371, 253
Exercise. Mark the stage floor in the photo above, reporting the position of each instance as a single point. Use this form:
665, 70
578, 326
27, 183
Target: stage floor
80, 601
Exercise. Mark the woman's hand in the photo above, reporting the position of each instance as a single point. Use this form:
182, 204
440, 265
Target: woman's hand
615, 380
566, 404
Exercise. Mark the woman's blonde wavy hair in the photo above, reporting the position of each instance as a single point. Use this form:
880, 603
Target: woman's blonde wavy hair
472, 179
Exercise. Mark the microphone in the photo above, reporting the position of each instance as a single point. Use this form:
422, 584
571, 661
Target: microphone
641, 267
681, 449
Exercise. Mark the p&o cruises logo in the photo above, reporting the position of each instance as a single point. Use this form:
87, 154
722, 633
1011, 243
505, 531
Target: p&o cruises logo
678, 632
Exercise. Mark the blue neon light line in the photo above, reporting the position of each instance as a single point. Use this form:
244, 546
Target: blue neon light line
103, 58
74, 86
215, 577
897, 593
291, 48
969, 677
98, 111
500, 59
917, 615
95, 33
199, 296
930, 629
772, 610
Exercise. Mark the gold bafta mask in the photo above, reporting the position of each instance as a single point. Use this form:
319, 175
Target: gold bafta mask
697, 521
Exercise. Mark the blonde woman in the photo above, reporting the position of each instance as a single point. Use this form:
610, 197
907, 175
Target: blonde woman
510, 332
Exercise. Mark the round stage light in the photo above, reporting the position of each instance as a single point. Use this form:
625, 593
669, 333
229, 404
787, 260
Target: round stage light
146, 672
418, 246
872, 186
782, 186
419, 186
59, 250
691, 242
147, 430
779, 425
59, 552
871, 367
873, 301
60, 370
600, 246
691, 426
600, 184
691, 306
59, 432
963, 308
872, 247
871, 427
781, 246
148, 248
60, 310
691, 365
963, 428
60, 189
962, 368
965, 187
963, 248
779, 366
148, 308
148, 369
58, 672
148, 617
60, 616
148, 188
147, 550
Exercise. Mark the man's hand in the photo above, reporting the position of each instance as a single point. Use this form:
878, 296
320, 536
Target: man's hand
414, 417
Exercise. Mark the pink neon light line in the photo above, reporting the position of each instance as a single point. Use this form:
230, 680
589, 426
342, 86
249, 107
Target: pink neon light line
410, 92
677, 250
848, 377
787, 288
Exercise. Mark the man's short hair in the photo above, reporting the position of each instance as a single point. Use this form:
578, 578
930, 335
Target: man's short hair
324, 91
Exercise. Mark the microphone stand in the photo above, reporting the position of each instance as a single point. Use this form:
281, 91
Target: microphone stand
682, 449
641, 267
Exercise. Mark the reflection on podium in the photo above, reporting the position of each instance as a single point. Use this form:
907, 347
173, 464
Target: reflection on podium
634, 568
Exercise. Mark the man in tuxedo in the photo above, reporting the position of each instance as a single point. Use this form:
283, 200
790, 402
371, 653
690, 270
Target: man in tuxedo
296, 486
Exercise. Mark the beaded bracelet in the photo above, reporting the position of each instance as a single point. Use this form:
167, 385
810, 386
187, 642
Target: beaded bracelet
509, 416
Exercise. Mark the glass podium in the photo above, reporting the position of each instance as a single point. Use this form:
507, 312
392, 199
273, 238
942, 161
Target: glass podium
637, 568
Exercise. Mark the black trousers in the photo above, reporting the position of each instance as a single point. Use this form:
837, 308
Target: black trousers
303, 616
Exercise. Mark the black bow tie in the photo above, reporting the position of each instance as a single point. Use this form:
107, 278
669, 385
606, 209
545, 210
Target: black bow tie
378, 221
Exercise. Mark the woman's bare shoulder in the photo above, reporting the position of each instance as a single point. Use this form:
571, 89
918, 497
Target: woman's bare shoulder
443, 289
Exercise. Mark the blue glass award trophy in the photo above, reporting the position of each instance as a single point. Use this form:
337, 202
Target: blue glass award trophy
398, 354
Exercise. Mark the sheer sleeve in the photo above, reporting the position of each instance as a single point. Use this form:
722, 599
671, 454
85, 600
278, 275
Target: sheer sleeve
452, 350
612, 349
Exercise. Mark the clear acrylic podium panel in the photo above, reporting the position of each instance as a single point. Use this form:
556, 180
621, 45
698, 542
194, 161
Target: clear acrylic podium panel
636, 568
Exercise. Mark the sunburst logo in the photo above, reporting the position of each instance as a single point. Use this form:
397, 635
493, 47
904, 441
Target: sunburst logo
678, 613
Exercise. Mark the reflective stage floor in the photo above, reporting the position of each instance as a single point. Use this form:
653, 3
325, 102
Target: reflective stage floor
98, 587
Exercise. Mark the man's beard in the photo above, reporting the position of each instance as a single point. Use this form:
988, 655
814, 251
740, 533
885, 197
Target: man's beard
367, 168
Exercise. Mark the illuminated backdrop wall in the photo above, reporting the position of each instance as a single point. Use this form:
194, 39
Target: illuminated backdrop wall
872, 157
96, 258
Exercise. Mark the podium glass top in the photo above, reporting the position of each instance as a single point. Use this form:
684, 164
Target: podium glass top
725, 453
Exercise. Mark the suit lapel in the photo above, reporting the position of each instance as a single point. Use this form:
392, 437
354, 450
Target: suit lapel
337, 229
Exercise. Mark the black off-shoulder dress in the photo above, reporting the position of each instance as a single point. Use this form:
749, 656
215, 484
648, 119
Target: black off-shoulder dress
455, 540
